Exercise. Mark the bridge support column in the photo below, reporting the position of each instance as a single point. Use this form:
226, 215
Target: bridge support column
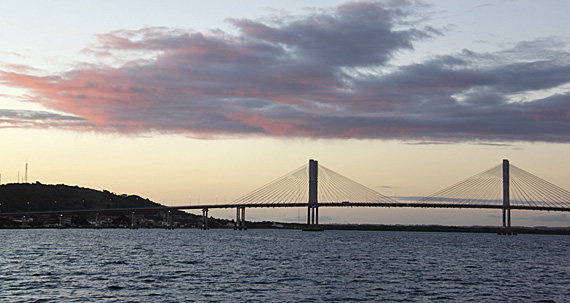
506, 218
313, 215
205, 219
238, 223
313, 219
169, 224
243, 219
506, 195
317, 215
133, 221
97, 221
240, 218
60, 225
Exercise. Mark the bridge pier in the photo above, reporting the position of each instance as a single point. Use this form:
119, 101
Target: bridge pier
313, 215
316, 215
24, 222
169, 224
240, 218
506, 218
205, 219
97, 222
60, 225
238, 223
133, 221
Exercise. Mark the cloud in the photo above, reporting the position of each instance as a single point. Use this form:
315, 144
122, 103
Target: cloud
302, 219
550, 218
386, 187
39, 119
326, 74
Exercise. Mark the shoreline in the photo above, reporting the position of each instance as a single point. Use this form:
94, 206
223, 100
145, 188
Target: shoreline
367, 227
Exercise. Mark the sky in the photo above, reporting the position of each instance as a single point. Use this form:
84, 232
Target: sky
186, 102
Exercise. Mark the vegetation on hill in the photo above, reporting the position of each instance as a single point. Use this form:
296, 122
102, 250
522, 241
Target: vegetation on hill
37, 197
42, 197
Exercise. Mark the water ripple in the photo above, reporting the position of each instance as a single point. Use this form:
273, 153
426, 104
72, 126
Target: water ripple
280, 266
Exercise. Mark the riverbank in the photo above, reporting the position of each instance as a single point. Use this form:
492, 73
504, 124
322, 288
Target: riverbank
374, 227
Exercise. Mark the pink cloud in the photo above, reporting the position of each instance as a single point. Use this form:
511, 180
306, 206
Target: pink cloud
300, 76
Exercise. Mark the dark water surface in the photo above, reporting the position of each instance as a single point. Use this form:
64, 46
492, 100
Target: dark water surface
115, 265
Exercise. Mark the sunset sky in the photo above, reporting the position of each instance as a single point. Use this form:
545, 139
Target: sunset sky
188, 102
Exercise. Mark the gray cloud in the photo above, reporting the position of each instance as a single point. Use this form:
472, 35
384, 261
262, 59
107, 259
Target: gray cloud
315, 75
551, 218
302, 219
38, 119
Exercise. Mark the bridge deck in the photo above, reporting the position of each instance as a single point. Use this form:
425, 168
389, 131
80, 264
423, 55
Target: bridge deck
285, 205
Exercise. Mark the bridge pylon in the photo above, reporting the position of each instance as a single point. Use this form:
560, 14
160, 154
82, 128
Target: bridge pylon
506, 195
313, 205
506, 230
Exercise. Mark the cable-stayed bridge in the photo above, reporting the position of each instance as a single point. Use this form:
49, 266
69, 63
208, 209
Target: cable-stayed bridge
503, 187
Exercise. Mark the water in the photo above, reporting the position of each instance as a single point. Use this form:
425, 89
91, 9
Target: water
280, 266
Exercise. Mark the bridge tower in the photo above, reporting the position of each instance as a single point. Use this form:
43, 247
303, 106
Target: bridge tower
506, 196
506, 230
313, 207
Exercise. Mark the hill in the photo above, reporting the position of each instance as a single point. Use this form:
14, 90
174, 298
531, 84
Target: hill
37, 197
42, 197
